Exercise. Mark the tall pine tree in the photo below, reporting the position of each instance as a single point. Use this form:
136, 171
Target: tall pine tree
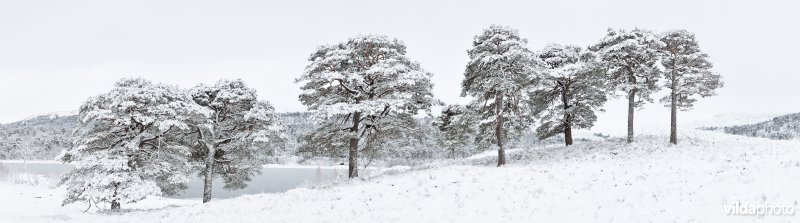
688, 74
570, 88
630, 58
497, 76
361, 86
235, 135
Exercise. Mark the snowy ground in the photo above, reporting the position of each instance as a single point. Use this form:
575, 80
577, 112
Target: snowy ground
602, 181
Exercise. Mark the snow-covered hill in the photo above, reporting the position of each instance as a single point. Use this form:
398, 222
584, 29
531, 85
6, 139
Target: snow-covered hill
781, 127
39, 137
593, 181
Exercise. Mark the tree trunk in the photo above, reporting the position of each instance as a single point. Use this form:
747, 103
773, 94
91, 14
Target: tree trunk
498, 130
207, 140
353, 154
673, 126
209, 176
115, 203
567, 116
631, 109
568, 131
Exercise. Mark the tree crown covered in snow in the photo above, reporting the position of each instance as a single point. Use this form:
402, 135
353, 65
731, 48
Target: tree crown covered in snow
367, 76
569, 89
124, 150
243, 131
500, 67
688, 67
630, 58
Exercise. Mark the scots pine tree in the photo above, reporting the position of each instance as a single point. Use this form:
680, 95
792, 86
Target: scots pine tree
234, 137
362, 85
688, 74
497, 76
630, 58
568, 91
125, 148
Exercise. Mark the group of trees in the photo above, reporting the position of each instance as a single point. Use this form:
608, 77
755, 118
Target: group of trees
366, 87
565, 85
144, 138
562, 86
368, 99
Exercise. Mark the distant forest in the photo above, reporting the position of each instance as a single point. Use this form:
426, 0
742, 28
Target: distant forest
44, 137
782, 128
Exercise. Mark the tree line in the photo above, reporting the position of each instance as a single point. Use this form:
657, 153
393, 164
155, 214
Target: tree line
366, 85
366, 97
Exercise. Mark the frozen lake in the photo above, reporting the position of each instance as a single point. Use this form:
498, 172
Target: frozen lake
271, 180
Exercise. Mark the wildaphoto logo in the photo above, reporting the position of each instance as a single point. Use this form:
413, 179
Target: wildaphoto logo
747, 209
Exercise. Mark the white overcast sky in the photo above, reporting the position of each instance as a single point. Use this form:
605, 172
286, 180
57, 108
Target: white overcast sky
55, 54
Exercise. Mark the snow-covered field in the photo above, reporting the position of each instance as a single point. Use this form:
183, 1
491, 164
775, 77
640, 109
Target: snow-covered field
596, 181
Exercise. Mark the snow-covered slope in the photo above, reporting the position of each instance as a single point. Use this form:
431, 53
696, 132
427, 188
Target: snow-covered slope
781, 127
39, 137
603, 181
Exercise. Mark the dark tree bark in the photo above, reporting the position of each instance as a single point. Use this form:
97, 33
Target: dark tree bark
673, 127
568, 131
498, 130
115, 203
567, 117
631, 109
353, 154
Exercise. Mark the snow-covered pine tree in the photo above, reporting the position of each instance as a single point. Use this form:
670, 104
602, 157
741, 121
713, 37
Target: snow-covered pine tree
630, 58
361, 86
688, 74
456, 130
497, 76
568, 91
235, 137
125, 149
